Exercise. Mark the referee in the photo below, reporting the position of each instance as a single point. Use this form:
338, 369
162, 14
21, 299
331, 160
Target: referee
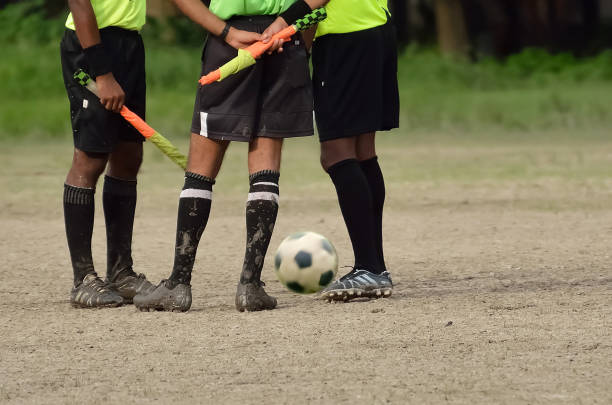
102, 38
355, 91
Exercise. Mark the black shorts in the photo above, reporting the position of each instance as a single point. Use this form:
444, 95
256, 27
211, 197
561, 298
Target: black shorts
355, 82
272, 98
94, 128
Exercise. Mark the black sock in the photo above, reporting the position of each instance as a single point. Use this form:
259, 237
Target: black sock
261, 210
79, 219
119, 201
355, 200
374, 175
193, 211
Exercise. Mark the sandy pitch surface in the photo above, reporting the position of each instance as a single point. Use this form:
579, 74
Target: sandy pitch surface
501, 297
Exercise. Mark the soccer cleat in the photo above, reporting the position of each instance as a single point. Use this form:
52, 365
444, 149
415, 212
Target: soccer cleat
167, 296
359, 283
94, 293
130, 286
252, 297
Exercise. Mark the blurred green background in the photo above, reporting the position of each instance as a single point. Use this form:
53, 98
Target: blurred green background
456, 89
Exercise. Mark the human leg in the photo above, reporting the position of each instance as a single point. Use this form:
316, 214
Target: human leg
205, 158
366, 154
79, 208
354, 105
261, 210
119, 201
89, 290
339, 159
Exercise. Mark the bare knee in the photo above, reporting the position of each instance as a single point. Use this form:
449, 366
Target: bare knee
366, 146
86, 168
337, 150
329, 159
206, 155
125, 160
265, 154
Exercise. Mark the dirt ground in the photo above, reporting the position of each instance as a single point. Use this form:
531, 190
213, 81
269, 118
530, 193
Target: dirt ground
501, 258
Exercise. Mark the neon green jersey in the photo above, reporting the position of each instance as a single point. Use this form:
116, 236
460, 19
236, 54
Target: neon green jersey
128, 14
353, 15
225, 9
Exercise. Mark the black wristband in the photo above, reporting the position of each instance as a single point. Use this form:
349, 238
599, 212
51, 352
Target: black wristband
296, 11
225, 31
97, 60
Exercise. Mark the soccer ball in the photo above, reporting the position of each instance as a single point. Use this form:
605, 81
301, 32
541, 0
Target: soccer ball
305, 262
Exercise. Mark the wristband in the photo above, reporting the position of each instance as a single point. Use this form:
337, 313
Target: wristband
97, 60
225, 31
296, 11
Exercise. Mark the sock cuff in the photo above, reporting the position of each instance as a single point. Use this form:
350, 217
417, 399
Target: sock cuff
368, 162
341, 164
199, 177
267, 176
114, 185
198, 182
78, 195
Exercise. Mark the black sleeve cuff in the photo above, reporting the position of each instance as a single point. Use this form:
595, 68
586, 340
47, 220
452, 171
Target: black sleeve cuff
296, 11
97, 60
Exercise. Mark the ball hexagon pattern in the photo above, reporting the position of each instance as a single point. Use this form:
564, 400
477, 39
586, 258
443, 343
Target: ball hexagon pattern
305, 262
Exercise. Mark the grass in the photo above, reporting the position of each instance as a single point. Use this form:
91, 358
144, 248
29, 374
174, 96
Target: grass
527, 94
531, 91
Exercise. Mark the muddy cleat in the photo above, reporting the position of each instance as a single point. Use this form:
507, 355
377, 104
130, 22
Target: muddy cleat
130, 286
359, 283
252, 297
167, 296
94, 293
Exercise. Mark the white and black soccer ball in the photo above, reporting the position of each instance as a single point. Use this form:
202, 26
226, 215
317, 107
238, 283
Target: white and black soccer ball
305, 262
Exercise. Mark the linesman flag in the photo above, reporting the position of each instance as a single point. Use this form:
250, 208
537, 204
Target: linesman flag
141, 126
246, 57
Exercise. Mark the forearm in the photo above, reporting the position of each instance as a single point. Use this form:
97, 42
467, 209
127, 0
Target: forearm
85, 22
200, 14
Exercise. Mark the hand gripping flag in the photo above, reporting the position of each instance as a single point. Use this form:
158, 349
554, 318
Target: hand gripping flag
141, 126
246, 57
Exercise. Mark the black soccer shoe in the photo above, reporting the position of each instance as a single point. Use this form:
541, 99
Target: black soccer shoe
94, 293
167, 296
252, 297
359, 283
130, 286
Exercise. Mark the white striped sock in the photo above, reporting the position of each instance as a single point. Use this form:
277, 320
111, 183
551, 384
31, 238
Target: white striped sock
263, 195
196, 193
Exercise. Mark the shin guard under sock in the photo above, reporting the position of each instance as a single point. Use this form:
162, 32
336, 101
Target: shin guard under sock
261, 210
355, 199
119, 201
79, 219
193, 212
375, 178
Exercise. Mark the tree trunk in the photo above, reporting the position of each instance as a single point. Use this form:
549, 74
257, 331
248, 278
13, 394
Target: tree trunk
452, 33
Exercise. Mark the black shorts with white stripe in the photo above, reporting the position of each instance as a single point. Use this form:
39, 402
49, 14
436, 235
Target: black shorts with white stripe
272, 98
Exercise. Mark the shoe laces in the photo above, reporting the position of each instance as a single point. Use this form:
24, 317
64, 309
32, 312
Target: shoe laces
350, 273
